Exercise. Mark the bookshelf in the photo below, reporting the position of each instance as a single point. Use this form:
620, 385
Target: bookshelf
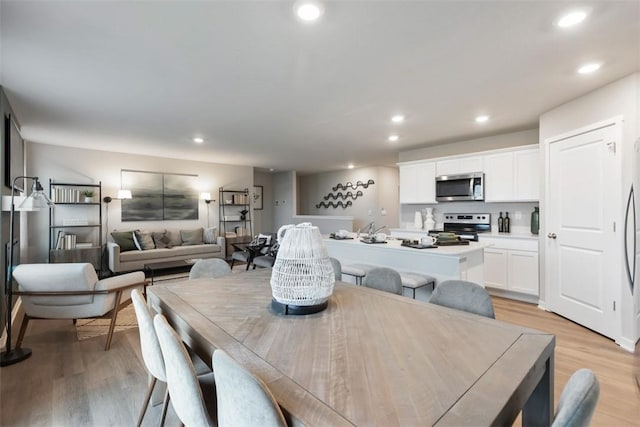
75, 224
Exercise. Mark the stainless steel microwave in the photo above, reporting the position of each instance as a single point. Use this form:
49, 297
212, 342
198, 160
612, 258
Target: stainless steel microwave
468, 186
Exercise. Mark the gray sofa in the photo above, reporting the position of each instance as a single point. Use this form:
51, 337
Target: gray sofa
131, 260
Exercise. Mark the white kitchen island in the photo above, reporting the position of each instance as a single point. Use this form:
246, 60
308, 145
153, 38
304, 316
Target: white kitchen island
444, 263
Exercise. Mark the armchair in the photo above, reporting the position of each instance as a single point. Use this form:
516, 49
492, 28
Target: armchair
72, 291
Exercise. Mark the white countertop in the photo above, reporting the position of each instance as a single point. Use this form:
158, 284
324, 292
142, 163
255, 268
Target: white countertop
418, 233
394, 245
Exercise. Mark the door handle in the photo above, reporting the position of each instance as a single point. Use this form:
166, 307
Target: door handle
552, 235
631, 209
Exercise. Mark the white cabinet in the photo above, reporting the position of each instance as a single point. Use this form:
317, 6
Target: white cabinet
511, 264
418, 183
512, 176
459, 165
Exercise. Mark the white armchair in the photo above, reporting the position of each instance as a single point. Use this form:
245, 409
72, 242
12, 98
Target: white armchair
72, 291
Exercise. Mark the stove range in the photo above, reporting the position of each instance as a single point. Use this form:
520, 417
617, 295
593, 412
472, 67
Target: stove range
467, 225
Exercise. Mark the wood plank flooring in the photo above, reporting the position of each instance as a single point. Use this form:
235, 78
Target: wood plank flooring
76, 383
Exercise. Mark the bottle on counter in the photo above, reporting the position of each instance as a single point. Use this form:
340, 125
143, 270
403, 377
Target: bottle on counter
500, 223
535, 220
507, 223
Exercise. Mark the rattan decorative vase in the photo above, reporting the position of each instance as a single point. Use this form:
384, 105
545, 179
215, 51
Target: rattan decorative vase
302, 277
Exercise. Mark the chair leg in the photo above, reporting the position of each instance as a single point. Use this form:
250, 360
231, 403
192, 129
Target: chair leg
248, 264
165, 406
145, 405
232, 262
112, 325
23, 329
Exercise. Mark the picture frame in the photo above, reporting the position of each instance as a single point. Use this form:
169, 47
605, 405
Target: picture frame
258, 193
13, 154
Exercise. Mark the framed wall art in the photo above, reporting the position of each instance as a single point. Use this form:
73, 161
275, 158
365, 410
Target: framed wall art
258, 193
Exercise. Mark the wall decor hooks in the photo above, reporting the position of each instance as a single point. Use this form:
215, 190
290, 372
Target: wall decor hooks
349, 184
345, 196
334, 205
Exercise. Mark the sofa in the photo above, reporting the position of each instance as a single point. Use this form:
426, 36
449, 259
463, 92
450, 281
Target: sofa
131, 250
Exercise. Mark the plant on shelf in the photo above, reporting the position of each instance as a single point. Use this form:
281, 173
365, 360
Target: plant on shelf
243, 214
88, 196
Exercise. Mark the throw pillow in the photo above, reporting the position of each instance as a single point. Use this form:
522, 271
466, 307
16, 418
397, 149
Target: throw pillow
143, 240
191, 237
161, 240
209, 235
124, 239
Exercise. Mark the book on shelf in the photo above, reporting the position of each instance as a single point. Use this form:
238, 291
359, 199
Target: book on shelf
80, 245
65, 241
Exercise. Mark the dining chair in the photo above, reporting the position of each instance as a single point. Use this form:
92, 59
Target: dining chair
193, 397
211, 267
243, 399
465, 296
72, 291
578, 400
337, 268
152, 355
384, 279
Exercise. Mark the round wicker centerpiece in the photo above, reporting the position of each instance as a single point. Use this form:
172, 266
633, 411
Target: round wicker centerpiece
302, 278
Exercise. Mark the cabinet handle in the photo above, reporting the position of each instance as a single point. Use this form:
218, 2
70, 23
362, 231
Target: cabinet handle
552, 235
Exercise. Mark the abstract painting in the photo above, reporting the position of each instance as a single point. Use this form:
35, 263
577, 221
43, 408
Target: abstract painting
157, 196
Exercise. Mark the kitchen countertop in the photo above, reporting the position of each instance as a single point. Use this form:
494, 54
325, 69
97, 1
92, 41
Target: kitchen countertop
394, 246
514, 235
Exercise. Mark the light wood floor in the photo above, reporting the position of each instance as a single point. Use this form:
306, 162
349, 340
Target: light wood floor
72, 383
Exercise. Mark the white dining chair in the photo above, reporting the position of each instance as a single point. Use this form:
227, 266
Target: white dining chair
211, 267
243, 399
578, 400
193, 397
384, 279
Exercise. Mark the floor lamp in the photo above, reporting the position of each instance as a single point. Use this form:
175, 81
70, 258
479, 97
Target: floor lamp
36, 200
207, 199
122, 194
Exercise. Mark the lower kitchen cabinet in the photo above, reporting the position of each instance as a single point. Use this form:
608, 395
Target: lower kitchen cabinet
511, 265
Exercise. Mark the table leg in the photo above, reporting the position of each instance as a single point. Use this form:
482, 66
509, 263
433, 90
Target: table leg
538, 411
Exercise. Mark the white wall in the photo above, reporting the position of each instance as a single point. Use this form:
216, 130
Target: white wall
64, 164
284, 198
621, 97
495, 142
263, 219
380, 197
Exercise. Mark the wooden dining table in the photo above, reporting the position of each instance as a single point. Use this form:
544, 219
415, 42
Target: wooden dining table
371, 358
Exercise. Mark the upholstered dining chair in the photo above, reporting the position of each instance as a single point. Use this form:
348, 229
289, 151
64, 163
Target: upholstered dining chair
465, 296
193, 397
243, 399
337, 268
384, 279
212, 267
72, 291
578, 400
152, 355
259, 246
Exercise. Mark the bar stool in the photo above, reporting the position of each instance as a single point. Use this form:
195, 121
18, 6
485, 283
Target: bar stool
414, 281
357, 270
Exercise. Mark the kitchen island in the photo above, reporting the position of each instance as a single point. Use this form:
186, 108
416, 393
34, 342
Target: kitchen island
464, 262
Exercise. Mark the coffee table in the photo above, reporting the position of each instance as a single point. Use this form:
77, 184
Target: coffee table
168, 267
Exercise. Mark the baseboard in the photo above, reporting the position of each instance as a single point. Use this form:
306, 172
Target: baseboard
16, 318
627, 344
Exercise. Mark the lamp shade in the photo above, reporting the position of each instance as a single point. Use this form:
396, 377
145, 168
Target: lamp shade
124, 194
302, 274
37, 199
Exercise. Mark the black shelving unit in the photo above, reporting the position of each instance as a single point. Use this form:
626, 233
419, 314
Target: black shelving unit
65, 226
230, 218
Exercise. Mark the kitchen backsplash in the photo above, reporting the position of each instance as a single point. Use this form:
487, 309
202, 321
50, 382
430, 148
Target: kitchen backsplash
519, 213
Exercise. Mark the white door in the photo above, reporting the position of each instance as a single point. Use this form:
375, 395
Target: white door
583, 261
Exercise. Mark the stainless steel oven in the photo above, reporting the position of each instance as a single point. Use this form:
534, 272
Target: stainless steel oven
468, 186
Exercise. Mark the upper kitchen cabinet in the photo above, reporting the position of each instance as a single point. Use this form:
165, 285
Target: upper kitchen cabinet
512, 176
459, 165
418, 183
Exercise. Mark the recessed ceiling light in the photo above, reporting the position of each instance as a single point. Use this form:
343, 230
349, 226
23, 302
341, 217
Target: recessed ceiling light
308, 11
589, 68
572, 18
398, 118
271, 169
482, 119
393, 138
350, 166
198, 140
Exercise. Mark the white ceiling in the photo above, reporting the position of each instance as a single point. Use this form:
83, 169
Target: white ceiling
265, 90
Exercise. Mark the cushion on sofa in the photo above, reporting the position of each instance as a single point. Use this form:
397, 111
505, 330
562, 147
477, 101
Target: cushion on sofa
209, 235
143, 240
162, 240
124, 239
191, 237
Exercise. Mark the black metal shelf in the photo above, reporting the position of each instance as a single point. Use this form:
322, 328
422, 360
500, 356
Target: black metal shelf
229, 209
74, 226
